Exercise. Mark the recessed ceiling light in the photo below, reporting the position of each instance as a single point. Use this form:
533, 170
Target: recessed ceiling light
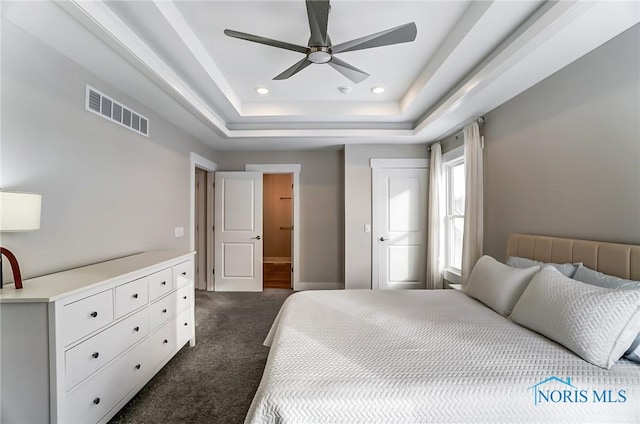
262, 90
378, 89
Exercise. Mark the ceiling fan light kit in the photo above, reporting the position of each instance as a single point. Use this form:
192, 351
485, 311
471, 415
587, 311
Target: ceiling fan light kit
319, 54
319, 48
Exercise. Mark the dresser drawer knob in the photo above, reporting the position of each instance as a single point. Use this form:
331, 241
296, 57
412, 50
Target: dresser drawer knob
94, 314
135, 295
185, 324
184, 273
165, 341
164, 283
164, 311
136, 328
138, 366
96, 400
96, 354
184, 297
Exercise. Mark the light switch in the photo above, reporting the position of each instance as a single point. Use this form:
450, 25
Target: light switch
179, 231
367, 228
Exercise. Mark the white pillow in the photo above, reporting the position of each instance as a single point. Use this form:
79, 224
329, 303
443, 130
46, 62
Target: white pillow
633, 353
496, 285
567, 269
597, 323
589, 276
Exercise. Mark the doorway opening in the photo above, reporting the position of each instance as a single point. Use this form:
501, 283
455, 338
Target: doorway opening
202, 169
200, 226
277, 230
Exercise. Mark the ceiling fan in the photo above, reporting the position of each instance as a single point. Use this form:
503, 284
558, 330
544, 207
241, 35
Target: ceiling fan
320, 50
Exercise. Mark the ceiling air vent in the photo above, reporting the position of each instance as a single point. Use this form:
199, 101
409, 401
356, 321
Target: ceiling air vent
108, 108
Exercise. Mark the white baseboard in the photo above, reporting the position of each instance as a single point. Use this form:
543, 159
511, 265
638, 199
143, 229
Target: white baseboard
319, 286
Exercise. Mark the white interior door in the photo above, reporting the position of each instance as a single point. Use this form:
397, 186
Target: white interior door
400, 228
238, 231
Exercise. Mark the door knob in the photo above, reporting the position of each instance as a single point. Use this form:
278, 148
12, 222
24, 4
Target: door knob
258, 238
383, 239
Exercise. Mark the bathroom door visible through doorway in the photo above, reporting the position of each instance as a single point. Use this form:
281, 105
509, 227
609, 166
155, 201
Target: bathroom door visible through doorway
278, 230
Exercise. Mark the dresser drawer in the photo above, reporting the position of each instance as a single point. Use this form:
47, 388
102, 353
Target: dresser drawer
160, 283
184, 297
84, 359
93, 399
184, 323
86, 316
162, 310
182, 273
131, 296
162, 343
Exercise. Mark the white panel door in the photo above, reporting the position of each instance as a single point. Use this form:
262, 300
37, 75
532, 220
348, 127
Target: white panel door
238, 231
400, 228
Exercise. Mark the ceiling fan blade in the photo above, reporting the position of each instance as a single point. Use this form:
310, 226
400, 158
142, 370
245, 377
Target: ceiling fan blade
266, 41
400, 34
349, 71
318, 14
297, 67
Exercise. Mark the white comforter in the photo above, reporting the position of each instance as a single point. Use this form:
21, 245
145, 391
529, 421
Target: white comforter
427, 356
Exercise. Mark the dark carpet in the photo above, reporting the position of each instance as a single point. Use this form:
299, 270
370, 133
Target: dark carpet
213, 382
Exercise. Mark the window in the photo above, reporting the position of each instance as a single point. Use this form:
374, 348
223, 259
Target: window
454, 219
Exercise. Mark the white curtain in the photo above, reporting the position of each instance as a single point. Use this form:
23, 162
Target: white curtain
473, 208
436, 216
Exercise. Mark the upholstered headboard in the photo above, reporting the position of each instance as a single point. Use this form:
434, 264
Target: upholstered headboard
621, 260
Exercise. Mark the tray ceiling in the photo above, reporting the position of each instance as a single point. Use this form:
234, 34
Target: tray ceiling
468, 58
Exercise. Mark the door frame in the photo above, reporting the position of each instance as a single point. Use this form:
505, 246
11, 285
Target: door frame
376, 166
295, 170
203, 163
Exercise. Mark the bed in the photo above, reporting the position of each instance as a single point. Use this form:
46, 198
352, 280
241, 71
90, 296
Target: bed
439, 356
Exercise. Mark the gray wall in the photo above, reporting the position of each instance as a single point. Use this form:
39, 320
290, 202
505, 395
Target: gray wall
106, 191
563, 158
321, 206
358, 205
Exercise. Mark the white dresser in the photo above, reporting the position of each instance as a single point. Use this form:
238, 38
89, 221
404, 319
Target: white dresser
76, 346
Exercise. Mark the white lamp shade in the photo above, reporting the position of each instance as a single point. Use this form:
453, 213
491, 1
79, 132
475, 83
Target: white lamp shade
19, 211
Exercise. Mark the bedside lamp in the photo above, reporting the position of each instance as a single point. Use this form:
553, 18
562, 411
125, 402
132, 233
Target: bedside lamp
18, 212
